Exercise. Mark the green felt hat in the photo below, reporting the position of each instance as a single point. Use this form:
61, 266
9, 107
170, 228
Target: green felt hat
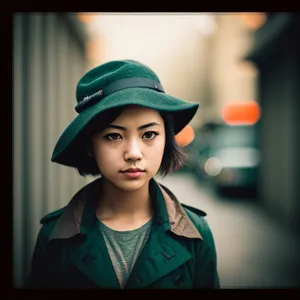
115, 84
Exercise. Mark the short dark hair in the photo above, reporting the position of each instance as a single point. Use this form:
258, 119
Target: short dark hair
173, 157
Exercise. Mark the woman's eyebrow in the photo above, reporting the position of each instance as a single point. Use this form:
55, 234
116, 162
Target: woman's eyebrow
139, 128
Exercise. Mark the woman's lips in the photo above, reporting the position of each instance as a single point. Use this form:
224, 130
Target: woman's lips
133, 174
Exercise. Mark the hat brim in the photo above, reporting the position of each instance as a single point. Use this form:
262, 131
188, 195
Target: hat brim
183, 112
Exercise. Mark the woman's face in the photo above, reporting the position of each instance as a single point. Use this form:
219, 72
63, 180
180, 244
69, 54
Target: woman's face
129, 151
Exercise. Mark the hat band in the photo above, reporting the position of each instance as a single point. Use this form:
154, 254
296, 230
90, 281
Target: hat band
117, 86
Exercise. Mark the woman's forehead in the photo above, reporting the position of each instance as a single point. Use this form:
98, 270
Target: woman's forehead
139, 113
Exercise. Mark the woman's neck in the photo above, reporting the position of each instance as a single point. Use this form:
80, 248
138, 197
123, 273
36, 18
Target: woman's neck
117, 204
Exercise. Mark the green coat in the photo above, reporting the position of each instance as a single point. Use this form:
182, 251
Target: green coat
71, 253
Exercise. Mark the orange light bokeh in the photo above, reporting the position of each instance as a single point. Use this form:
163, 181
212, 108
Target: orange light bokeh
239, 113
253, 20
185, 136
85, 17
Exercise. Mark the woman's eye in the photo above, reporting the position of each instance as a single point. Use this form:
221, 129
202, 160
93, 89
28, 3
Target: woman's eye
112, 136
150, 135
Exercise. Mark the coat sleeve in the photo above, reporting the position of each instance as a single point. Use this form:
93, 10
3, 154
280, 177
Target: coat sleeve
213, 276
40, 271
37, 271
40, 275
204, 253
206, 267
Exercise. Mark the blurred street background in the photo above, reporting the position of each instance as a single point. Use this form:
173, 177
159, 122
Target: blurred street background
254, 250
243, 165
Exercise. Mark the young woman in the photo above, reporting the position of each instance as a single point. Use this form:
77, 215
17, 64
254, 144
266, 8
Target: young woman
124, 230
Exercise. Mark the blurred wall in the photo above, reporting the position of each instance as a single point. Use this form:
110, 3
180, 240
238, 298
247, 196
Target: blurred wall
276, 52
231, 78
48, 60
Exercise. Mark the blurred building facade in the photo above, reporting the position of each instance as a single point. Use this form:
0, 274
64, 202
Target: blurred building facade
48, 60
276, 53
257, 57
230, 78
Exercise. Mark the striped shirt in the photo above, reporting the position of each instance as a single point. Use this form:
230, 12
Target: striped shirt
124, 248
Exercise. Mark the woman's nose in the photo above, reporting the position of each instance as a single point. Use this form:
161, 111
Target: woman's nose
133, 151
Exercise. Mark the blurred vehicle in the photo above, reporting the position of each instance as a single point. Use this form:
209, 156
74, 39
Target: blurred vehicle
202, 148
198, 150
233, 160
226, 154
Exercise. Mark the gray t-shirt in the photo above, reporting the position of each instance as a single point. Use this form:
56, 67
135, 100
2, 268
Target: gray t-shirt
124, 248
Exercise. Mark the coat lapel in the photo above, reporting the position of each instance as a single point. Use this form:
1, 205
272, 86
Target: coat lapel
92, 257
161, 255
93, 260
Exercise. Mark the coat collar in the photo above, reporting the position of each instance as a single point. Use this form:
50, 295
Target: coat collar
76, 217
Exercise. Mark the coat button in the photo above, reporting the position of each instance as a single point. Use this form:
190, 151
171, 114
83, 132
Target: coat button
179, 280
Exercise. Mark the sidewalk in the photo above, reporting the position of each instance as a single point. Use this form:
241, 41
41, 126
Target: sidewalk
253, 250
